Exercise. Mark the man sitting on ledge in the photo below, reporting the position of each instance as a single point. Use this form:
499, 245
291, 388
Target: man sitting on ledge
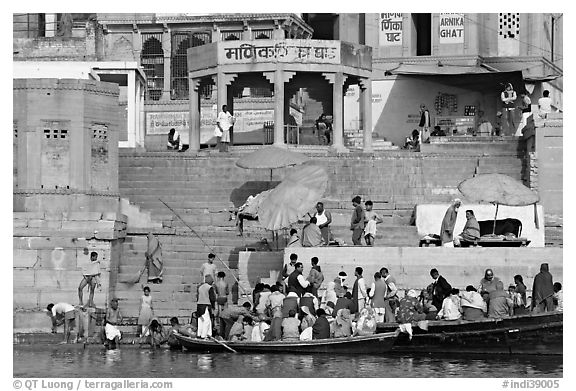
471, 231
311, 234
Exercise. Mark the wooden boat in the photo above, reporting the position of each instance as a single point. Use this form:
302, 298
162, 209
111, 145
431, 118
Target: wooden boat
377, 343
540, 334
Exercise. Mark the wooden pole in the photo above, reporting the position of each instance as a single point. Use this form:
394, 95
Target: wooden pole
223, 344
495, 215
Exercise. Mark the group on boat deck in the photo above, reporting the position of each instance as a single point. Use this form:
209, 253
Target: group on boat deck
295, 308
292, 309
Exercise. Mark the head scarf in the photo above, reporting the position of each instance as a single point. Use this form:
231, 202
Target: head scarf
412, 293
306, 310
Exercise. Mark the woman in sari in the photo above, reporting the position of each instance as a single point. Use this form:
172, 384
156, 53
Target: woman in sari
366, 323
154, 262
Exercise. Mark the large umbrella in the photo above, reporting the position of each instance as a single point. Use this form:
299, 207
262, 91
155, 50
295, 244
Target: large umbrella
498, 189
271, 158
293, 197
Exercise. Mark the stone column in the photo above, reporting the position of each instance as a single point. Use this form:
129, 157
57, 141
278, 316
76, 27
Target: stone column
167, 48
51, 25
366, 99
338, 112
279, 107
194, 133
131, 116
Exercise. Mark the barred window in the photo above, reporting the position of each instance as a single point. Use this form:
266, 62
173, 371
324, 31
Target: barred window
231, 35
152, 60
261, 92
181, 42
262, 34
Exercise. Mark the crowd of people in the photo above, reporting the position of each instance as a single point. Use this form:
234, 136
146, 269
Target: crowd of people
294, 308
297, 308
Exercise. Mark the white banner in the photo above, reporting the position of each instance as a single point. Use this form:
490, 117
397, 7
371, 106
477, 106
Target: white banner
162, 122
451, 28
390, 29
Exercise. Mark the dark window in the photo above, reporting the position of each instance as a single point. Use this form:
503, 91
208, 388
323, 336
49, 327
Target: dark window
423, 27
181, 42
152, 60
262, 34
231, 35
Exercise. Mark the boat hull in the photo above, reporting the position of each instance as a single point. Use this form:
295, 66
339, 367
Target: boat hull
540, 334
374, 344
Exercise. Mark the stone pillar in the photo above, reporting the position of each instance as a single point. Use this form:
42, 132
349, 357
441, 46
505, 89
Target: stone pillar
167, 48
132, 115
279, 107
51, 25
194, 133
338, 112
366, 99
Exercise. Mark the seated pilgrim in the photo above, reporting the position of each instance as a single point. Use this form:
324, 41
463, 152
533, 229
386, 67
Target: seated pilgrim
311, 235
174, 140
413, 141
473, 305
471, 231
294, 240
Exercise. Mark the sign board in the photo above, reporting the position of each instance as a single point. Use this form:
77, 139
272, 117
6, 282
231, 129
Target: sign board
162, 122
250, 120
307, 51
390, 29
451, 28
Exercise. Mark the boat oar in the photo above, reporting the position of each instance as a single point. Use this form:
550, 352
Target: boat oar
223, 344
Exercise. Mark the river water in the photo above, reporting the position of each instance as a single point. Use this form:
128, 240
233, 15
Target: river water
58, 361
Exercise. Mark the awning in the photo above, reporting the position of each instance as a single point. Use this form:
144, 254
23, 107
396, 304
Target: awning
477, 78
509, 68
435, 69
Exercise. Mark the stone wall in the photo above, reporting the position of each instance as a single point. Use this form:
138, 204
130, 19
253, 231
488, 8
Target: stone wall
50, 251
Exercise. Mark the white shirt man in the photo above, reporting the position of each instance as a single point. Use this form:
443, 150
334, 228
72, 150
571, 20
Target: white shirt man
225, 122
208, 268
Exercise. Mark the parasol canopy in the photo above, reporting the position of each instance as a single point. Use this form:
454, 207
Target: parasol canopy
293, 197
497, 189
271, 157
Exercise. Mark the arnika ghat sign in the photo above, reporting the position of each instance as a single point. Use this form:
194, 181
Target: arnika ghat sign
307, 51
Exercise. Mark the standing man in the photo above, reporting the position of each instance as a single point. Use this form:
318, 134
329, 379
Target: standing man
323, 220
508, 97
205, 302
440, 288
424, 124
357, 222
378, 295
222, 291
359, 290
391, 298
526, 107
225, 122
90, 277
315, 276
543, 291
545, 104
296, 281
448, 223
208, 268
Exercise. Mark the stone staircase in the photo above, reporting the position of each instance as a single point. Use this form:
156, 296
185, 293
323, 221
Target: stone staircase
204, 190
